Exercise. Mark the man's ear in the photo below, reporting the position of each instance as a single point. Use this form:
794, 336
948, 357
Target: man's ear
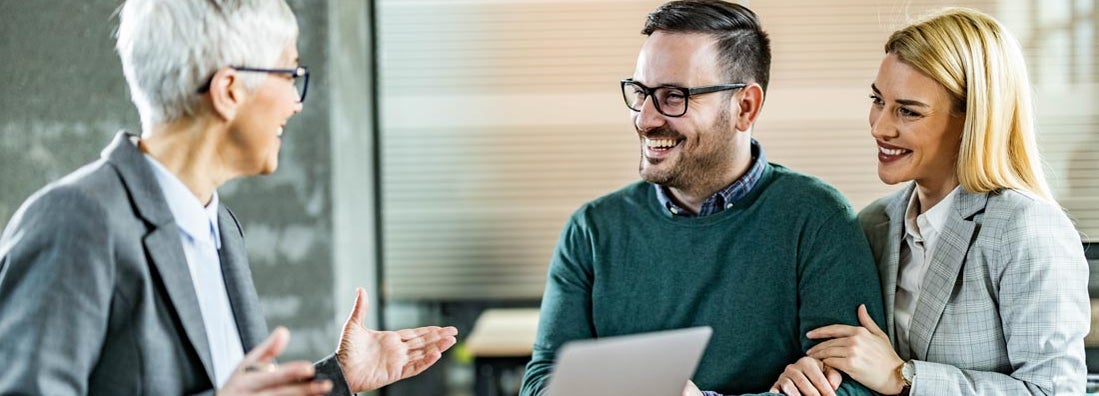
226, 93
750, 103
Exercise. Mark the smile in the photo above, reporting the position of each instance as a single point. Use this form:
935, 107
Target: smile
890, 153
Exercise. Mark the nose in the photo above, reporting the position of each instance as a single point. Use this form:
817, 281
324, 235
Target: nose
882, 125
298, 107
648, 118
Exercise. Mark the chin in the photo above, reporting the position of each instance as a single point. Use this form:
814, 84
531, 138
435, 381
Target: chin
891, 179
268, 168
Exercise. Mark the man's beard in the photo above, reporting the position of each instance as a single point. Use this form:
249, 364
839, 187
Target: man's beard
692, 168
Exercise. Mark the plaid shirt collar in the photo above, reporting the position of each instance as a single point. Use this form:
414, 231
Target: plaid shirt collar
726, 197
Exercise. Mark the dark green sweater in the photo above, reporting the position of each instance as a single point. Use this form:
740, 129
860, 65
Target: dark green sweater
787, 258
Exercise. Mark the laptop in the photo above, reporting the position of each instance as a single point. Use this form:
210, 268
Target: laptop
647, 364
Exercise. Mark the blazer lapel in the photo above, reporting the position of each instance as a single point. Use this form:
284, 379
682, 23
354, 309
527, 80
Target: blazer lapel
162, 243
894, 232
947, 260
238, 281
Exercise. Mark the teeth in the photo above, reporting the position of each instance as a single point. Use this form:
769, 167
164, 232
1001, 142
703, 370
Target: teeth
891, 151
660, 143
280, 132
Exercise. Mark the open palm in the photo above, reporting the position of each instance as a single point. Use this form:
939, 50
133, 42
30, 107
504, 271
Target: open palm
371, 359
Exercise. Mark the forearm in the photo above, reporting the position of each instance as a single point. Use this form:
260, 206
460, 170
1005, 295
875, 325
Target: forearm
537, 374
565, 314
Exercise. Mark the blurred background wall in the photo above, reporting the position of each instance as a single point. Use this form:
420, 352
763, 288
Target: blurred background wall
495, 119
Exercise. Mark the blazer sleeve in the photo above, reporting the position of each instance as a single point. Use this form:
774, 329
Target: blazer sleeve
56, 285
1041, 274
329, 368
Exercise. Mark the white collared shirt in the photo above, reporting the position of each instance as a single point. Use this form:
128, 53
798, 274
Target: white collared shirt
198, 230
922, 232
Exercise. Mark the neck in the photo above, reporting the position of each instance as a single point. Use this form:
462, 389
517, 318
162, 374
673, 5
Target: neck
691, 197
930, 193
188, 149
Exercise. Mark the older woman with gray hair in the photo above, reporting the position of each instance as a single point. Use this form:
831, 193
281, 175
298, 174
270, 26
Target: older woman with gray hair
128, 277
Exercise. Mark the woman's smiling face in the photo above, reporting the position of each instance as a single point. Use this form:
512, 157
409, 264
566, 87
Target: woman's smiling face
916, 127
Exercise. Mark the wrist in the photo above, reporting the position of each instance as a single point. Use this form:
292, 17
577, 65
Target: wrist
903, 377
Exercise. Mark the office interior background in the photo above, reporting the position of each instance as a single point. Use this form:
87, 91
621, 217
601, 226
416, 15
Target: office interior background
445, 142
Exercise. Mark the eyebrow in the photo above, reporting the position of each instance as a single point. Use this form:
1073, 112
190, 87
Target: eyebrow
665, 85
906, 102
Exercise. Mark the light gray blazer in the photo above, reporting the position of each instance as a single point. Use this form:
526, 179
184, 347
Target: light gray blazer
1004, 306
95, 295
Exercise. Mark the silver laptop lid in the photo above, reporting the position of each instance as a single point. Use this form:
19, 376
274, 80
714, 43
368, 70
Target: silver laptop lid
647, 364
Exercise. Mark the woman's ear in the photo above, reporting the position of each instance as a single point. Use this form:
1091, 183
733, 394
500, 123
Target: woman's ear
750, 102
226, 93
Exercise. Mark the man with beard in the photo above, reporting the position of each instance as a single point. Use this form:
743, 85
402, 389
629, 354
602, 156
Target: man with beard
714, 234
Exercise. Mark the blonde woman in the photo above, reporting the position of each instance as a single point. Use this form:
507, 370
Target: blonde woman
984, 277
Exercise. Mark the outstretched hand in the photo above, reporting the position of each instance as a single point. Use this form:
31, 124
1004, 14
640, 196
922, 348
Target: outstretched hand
863, 352
371, 359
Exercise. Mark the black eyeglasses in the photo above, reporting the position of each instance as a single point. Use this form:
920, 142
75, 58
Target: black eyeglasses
299, 74
669, 101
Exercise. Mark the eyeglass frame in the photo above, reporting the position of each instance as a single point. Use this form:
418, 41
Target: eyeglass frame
295, 73
687, 93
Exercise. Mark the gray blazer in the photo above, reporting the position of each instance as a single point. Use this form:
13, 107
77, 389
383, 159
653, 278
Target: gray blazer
1004, 306
95, 295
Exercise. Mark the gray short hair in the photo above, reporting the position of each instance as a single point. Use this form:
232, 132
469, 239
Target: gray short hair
170, 48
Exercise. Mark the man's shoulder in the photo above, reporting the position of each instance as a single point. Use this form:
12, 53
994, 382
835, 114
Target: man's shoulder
795, 188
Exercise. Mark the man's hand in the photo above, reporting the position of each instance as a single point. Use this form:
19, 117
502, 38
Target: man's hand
257, 374
863, 352
691, 389
808, 377
371, 359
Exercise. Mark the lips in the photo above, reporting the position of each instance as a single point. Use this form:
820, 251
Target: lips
889, 153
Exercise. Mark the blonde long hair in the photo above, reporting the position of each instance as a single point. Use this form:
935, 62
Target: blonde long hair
981, 64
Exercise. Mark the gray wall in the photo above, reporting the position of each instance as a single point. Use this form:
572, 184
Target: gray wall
64, 97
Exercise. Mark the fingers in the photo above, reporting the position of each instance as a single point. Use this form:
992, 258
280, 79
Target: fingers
817, 380
835, 378
446, 343
429, 337
358, 311
866, 321
832, 331
269, 349
417, 366
408, 334
804, 377
805, 387
691, 389
829, 345
787, 387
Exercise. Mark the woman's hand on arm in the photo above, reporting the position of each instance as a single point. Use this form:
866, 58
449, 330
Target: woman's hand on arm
864, 353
